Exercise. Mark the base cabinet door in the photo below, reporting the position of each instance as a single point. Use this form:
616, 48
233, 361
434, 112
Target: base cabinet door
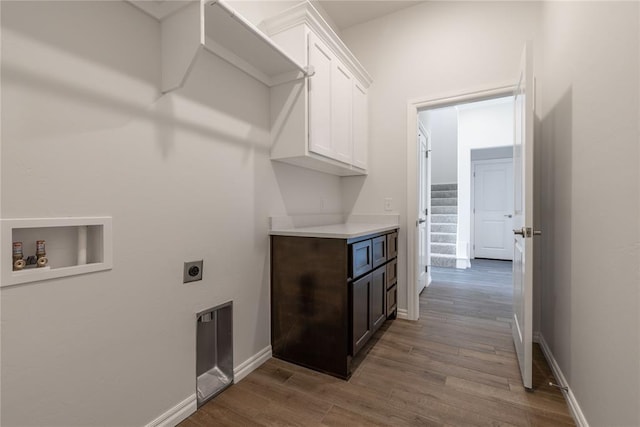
361, 326
392, 300
378, 297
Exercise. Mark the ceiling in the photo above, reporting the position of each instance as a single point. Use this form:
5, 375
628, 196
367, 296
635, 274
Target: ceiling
347, 13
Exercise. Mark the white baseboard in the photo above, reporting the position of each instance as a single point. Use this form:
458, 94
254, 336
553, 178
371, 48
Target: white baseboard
463, 263
402, 314
536, 337
574, 407
251, 364
188, 406
177, 414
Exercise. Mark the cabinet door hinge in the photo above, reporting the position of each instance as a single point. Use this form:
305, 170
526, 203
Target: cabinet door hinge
426, 268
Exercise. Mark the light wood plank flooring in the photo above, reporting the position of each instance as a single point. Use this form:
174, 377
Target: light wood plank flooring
456, 366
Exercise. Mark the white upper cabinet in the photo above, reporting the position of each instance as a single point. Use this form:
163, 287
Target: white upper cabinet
323, 62
341, 118
360, 126
319, 122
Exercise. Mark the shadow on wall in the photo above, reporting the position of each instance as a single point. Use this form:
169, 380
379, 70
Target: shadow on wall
163, 115
59, 24
555, 155
111, 86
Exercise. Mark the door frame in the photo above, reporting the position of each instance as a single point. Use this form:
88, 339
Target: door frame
413, 107
472, 251
427, 134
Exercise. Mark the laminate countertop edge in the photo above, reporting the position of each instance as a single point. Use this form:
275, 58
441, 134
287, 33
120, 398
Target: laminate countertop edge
335, 231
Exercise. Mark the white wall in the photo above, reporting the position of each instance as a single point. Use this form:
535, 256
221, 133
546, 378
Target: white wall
442, 123
185, 176
590, 197
427, 51
480, 125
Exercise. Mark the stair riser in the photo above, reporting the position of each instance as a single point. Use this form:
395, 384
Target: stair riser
444, 187
442, 262
444, 228
443, 249
443, 238
444, 219
444, 210
444, 202
444, 194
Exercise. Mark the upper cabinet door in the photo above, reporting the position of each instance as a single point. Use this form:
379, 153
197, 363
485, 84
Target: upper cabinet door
319, 122
341, 111
360, 126
322, 60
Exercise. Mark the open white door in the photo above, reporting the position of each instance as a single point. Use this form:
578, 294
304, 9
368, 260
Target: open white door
523, 232
423, 274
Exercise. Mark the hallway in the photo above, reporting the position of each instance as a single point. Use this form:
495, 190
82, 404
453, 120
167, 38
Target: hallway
455, 366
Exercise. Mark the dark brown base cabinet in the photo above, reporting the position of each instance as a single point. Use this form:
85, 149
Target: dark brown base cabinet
329, 296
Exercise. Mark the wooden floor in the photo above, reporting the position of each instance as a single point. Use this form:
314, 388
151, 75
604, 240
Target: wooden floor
456, 366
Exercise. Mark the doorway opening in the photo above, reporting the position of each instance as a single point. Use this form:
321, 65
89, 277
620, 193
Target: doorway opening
469, 180
455, 128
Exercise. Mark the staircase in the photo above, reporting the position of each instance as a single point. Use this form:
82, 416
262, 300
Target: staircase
444, 224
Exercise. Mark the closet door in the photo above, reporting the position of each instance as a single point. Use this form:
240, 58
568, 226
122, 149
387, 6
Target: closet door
322, 60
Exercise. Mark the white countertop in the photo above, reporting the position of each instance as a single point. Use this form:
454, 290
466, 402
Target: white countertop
335, 231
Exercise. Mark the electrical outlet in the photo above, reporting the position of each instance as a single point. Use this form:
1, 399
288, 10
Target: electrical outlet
192, 271
388, 204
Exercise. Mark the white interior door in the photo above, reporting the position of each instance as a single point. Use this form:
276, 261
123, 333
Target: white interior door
493, 209
523, 217
424, 184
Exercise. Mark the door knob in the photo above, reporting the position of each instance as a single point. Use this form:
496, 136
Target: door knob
527, 232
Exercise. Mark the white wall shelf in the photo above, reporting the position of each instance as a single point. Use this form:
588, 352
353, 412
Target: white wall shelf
74, 246
214, 26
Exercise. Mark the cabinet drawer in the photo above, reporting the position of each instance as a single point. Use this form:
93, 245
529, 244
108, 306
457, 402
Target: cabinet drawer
392, 273
392, 299
392, 245
361, 258
379, 249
